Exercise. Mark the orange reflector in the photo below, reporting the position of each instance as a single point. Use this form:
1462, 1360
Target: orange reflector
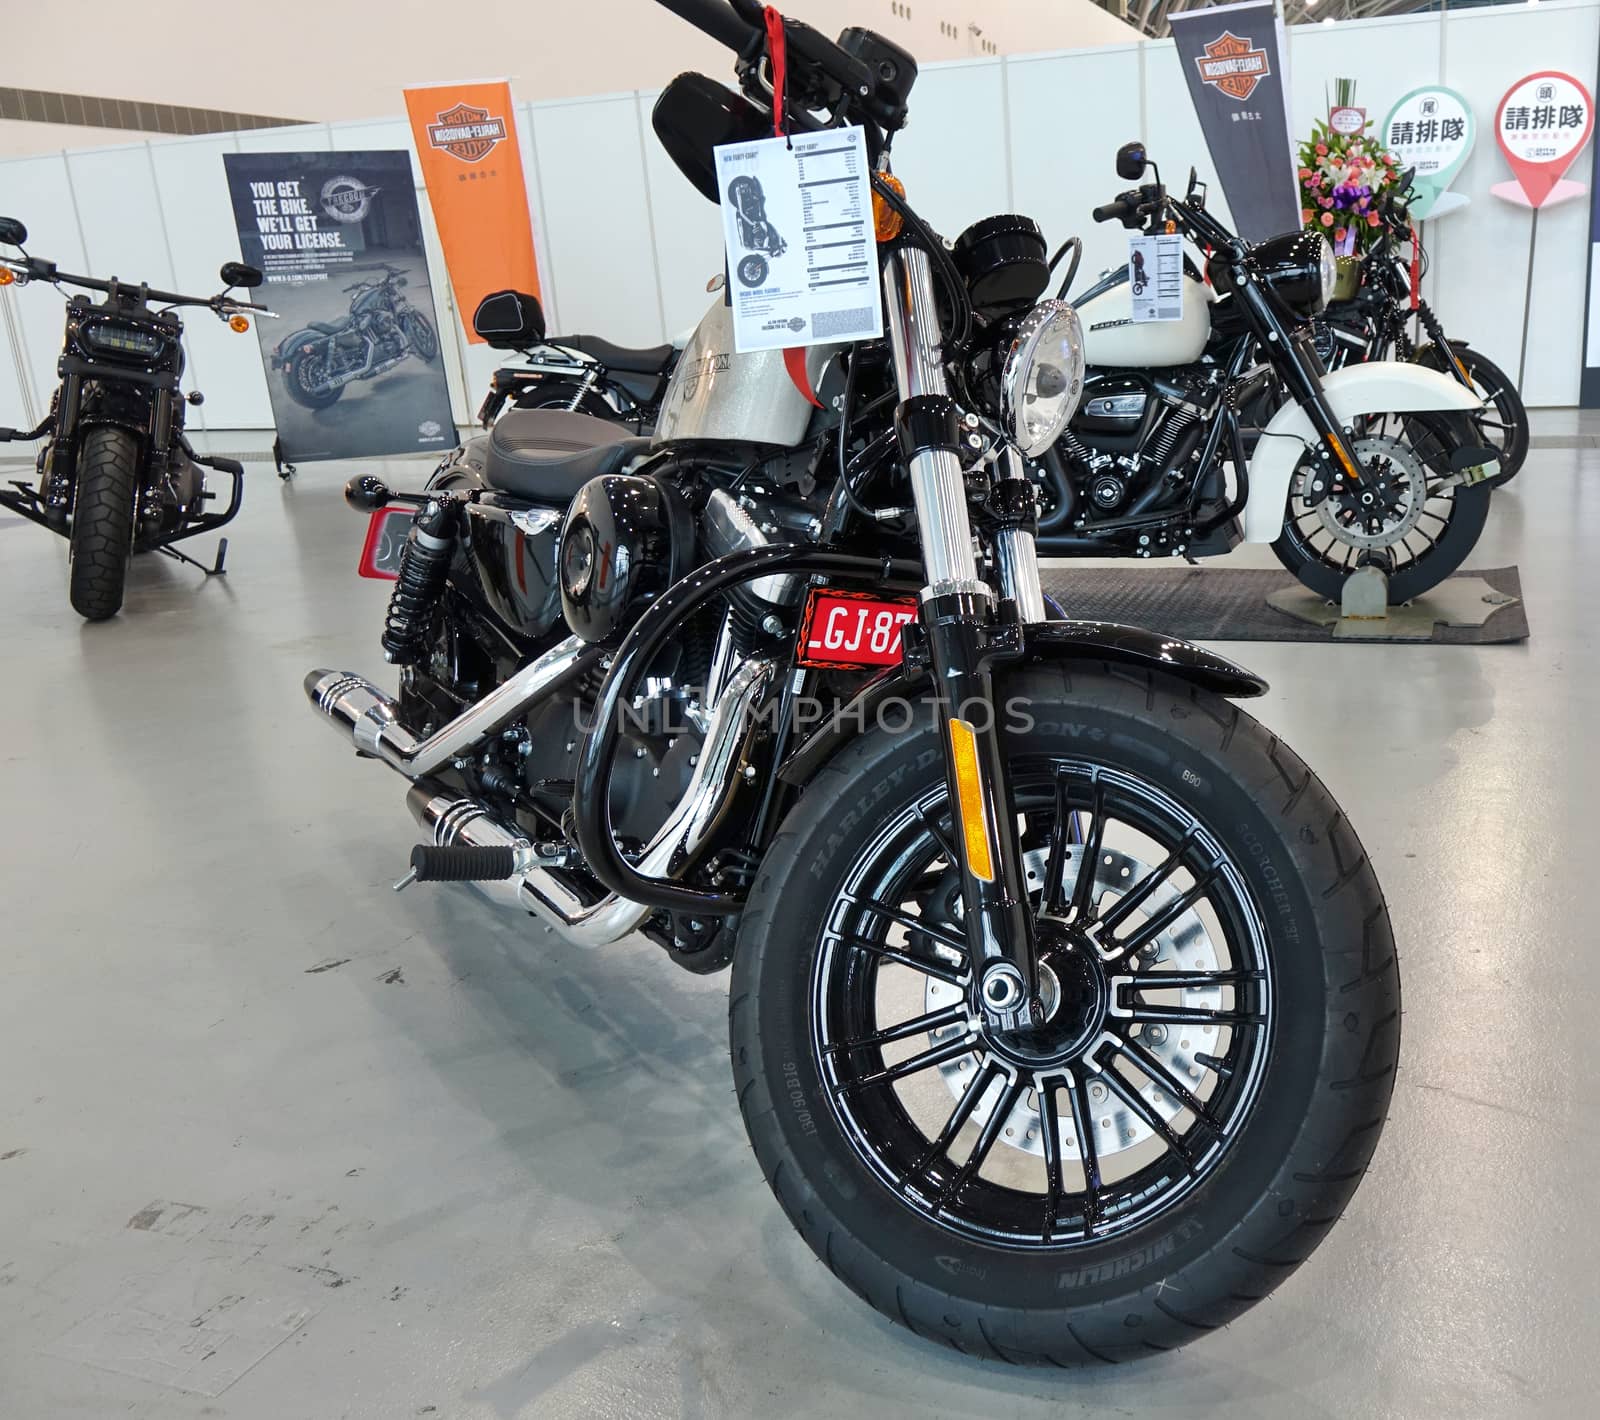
1350, 471
7, 275
886, 222
240, 324
1465, 375
969, 788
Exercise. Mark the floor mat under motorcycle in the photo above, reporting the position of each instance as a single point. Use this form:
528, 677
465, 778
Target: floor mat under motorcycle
1220, 604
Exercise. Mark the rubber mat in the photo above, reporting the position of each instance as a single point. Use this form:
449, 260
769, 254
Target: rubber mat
1222, 604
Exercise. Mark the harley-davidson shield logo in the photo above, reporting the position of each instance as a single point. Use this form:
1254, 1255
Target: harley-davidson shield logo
1233, 65
467, 133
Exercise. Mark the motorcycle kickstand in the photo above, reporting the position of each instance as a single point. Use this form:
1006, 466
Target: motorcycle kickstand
215, 570
286, 470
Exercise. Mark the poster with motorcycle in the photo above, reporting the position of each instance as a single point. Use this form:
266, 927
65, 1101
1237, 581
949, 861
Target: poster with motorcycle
1233, 59
353, 366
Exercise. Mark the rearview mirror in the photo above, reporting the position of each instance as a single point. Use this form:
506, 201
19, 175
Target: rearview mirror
1131, 161
12, 232
236, 273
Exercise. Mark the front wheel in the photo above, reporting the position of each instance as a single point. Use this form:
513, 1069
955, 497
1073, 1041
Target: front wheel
420, 335
103, 522
1210, 1085
752, 270
1403, 511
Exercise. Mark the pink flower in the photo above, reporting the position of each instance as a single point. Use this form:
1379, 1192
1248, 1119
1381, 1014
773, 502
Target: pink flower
1304, 174
1338, 234
1327, 218
1306, 214
1373, 219
1325, 201
1322, 150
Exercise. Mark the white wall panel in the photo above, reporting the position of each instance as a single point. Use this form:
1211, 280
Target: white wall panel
36, 191
1069, 113
191, 183
952, 153
591, 175
688, 234
1172, 132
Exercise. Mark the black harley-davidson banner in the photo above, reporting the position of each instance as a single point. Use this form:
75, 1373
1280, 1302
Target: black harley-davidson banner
353, 364
1233, 59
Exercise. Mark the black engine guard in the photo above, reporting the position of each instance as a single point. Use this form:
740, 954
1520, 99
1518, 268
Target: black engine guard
1052, 642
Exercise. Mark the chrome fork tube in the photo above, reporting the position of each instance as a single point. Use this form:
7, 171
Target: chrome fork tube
1016, 553
937, 486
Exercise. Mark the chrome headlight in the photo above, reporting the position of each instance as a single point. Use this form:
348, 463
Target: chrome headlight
1330, 270
1042, 378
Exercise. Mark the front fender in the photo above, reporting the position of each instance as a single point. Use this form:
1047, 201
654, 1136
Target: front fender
1376, 387
1049, 642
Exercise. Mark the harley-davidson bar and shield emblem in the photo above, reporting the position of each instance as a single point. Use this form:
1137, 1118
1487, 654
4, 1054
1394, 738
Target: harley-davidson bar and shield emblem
467, 133
1233, 65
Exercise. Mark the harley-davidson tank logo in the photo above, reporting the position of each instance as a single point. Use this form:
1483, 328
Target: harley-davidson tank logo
1233, 65
467, 133
707, 365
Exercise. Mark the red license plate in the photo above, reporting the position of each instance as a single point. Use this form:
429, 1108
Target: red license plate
386, 539
847, 630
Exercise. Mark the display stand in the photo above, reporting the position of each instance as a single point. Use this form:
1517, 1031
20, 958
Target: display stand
286, 470
1364, 613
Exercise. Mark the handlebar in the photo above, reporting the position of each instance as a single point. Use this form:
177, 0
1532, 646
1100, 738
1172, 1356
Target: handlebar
717, 19
1118, 210
37, 268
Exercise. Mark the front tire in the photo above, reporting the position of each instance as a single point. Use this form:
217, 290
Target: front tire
103, 522
752, 270
420, 335
1122, 1249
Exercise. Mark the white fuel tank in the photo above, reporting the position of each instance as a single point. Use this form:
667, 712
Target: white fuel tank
1112, 340
717, 393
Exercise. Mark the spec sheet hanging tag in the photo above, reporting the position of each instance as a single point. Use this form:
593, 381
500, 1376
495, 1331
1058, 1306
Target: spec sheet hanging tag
1155, 274
797, 219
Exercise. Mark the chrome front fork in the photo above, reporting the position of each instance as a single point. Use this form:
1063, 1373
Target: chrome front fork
964, 640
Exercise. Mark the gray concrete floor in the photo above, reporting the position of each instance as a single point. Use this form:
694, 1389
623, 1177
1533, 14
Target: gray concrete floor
278, 1143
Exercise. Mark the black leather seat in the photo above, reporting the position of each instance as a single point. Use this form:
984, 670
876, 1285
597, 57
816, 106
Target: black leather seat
648, 360
329, 329
549, 454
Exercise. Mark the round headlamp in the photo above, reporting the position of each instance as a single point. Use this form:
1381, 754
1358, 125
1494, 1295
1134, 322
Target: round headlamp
1330, 270
1042, 378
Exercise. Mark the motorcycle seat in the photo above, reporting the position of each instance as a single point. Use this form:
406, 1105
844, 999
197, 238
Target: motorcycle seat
549, 454
646, 360
329, 328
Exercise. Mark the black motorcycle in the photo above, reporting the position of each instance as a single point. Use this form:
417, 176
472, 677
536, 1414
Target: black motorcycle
1064, 1006
1376, 323
758, 238
1380, 463
579, 373
381, 329
116, 474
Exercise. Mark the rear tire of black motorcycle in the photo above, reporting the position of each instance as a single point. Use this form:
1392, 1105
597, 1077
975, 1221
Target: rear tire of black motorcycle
307, 398
560, 396
1200, 1266
1456, 543
1508, 403
102, 523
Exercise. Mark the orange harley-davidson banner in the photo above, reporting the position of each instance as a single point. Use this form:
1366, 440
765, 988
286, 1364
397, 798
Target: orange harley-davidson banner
466, 137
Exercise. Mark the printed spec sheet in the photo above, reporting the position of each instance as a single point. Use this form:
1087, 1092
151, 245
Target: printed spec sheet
1155, 269
797, 219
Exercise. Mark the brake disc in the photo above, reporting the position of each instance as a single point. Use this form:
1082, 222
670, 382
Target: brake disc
1403, 474
1185, 945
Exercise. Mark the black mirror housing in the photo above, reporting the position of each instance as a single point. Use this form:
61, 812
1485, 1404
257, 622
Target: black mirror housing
12, 232
236, 273
1131, 161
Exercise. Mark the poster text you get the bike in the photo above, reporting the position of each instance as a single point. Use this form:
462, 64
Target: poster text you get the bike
353, 364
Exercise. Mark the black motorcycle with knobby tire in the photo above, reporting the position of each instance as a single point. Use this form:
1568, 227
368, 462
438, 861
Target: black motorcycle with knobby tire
116, 474
1064, 1007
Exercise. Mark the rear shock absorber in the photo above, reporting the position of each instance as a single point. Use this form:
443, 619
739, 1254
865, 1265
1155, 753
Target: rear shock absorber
424, 565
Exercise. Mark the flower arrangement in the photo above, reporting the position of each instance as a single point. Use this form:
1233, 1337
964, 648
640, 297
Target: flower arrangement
1341, 176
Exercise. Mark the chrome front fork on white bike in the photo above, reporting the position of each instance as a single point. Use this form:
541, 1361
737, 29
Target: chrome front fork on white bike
964, 639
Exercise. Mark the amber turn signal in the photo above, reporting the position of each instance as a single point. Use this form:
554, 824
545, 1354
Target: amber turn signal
886, 222
239, 323
7, 275
969, 791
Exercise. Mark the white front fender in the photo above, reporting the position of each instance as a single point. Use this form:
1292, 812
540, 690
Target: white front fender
1378, 387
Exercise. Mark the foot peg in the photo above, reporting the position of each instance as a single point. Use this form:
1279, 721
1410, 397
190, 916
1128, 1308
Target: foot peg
460, 863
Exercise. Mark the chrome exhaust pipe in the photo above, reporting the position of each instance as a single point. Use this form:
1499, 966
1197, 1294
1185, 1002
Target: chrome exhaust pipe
368, 716
542, 891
